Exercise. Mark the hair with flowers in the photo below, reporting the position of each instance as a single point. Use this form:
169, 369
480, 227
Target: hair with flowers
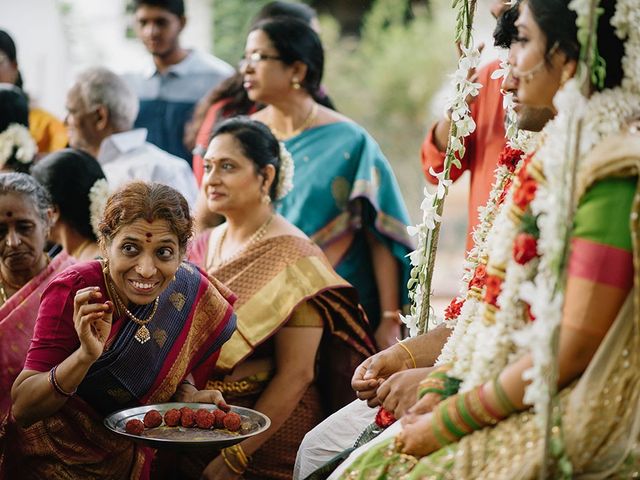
98, 195
285, 174
16, 142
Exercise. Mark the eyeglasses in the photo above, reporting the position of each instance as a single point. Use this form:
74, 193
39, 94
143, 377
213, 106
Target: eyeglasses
253, 58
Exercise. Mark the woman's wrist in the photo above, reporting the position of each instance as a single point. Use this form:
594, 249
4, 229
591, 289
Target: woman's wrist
235, 459
408, 359
59, 389
84, 358
391, 316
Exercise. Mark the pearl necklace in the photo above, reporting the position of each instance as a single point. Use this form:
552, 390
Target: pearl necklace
217, 260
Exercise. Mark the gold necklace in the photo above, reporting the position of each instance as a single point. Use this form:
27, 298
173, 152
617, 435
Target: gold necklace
217, 260
142, 335
306, 123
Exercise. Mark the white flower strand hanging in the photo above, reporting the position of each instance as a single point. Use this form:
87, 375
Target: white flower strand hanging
462, 125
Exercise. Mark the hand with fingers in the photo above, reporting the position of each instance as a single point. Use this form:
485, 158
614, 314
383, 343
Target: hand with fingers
209, 396
92, 320
417, 437
370, 374
399, 392
425, 404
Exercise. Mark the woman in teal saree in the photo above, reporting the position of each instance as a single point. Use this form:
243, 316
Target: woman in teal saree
345, 195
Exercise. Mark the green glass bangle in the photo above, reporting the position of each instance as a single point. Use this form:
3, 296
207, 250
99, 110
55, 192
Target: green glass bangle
464, 413
448, 423
422, 392
441, 439
503, 400
440, 375
451, 386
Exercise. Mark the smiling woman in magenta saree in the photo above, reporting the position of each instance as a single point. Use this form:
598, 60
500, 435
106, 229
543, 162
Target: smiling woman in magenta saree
139, 327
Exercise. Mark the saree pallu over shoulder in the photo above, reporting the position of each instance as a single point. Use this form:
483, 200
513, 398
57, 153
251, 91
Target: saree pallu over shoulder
17, 319
191, 323
273, 278
344, 178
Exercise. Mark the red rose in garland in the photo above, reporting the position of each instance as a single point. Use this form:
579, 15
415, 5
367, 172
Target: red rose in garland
479, 277
453, 310
384, 418
509, 157
525, 248
494, 287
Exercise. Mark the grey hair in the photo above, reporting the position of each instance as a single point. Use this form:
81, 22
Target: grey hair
100, 86
24, 184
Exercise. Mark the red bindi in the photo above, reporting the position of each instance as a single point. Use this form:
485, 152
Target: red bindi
148, 235
9, 214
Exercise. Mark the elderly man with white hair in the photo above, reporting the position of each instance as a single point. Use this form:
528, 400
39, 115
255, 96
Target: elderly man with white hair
101, 111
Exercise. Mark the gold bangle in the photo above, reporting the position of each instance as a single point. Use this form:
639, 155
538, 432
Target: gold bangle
230, 465
239, 453
415, 365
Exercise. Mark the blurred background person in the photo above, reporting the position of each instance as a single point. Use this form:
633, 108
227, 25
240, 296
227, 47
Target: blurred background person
230, 98
17, 147
101, 111
25, 271
482, 146
77, 205
345, 196
49, 132
168, 93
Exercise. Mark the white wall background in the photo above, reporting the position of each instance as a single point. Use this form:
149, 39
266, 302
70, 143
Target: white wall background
55, 40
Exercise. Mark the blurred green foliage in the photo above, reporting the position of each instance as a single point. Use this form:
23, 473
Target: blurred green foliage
231, 22
384, 80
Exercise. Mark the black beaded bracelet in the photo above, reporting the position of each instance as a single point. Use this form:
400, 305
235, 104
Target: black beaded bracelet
56, 386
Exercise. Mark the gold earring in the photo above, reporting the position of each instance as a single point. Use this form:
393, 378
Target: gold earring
266, 199
105, 267
295, 83
564, 77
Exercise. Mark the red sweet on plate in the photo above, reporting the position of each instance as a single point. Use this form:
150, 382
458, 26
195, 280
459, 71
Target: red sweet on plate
232, 422
219, 418
172, 417
152, 419
134, 427
187, 417
204, 418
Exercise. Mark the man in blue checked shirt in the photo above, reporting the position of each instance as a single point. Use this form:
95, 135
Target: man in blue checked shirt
180, 77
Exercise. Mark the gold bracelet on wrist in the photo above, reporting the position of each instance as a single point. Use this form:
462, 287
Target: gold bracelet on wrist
415, 365
229, 464
241, 461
